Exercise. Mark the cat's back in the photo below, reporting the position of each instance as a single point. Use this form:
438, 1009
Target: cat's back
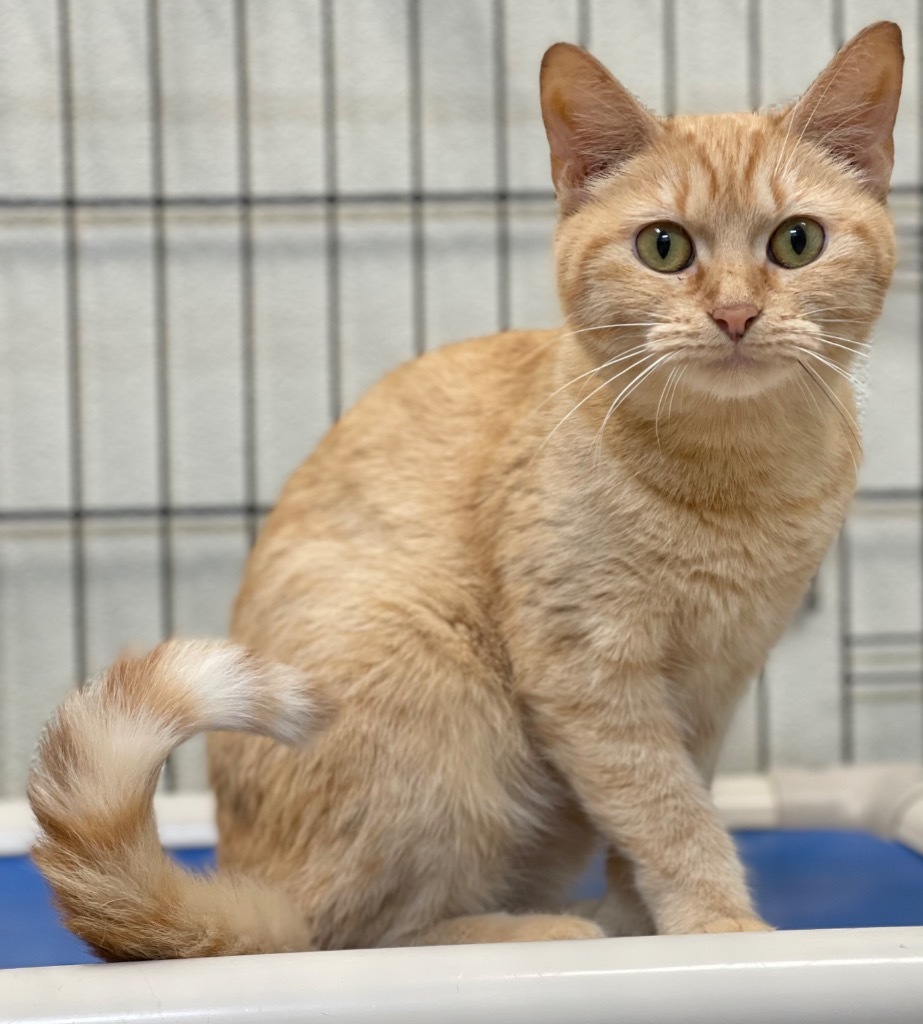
390, 496
419, 439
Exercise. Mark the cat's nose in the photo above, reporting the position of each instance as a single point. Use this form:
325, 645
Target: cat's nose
734, 320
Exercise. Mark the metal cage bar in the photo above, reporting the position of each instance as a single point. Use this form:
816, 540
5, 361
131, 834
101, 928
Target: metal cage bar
331, 200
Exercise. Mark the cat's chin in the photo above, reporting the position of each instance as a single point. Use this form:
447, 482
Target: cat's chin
737, 377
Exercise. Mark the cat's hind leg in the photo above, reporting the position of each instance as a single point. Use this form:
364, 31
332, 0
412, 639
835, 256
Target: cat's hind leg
503, 928
621, 911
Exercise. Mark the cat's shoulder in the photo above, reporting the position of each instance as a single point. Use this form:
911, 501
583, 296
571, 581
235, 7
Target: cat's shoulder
505, 350
466, 372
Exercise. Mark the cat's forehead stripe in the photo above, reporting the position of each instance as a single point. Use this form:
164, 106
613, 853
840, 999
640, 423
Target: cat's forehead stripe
736, 161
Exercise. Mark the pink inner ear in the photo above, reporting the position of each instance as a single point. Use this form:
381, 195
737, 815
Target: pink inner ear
593, 123
850, 109
588, 145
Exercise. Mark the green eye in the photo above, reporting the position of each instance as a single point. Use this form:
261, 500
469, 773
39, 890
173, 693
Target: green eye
664, 247
796, 242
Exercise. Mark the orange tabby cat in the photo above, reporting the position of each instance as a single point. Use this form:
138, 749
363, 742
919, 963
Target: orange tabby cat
522, 584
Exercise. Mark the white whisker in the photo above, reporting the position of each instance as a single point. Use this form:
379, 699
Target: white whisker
584, 400
844, 413
845, 348
623, 394
806, 390
839, 337
607, 327
807, 123
679, 379
602, 366
828, 362
663, 393
788, 132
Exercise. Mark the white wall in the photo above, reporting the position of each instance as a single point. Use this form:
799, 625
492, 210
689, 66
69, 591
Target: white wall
115, 296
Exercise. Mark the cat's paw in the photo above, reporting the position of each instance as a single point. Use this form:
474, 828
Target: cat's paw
557, 927
735, 924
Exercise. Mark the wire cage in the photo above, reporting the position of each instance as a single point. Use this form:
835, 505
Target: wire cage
222, 220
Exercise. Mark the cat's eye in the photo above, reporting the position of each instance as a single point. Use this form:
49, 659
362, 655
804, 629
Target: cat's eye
796, 242
664, 247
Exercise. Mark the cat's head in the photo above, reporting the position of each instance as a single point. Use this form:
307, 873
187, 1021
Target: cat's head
747, 248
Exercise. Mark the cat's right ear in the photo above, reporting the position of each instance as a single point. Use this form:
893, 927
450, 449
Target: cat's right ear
593, 123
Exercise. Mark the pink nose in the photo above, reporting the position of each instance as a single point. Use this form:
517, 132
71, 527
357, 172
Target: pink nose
734, 320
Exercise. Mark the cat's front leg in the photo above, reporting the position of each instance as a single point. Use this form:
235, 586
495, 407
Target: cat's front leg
616, 738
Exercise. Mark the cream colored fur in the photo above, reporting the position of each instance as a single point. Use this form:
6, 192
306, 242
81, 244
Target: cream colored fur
534, 571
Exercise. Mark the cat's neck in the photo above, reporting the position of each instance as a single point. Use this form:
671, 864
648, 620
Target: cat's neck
781, 441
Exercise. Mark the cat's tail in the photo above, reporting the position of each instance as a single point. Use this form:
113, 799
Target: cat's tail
92, 788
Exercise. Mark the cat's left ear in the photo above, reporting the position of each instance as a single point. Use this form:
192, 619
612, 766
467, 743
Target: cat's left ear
592, 121
851, 107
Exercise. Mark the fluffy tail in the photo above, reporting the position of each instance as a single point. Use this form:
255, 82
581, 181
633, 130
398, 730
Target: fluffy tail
92, 787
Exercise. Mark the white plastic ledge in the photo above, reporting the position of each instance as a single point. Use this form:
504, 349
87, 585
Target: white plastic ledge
841, 977
886, 800
830, 977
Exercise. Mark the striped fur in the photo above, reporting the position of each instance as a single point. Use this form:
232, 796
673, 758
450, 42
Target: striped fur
92, 787
535, 578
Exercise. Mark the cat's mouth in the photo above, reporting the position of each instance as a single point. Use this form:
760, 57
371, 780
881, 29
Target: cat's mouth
740, 370
740, 357
735, 357
729, 369
718, 353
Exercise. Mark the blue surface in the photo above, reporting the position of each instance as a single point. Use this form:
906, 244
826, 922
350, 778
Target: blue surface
30, 934
800, 879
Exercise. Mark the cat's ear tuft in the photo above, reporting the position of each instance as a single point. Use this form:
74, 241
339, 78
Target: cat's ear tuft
593, 123
850, 108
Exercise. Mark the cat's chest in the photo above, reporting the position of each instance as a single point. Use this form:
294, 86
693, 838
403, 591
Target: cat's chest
726, 587
719, 529
709, 585
737, 551
722, 575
